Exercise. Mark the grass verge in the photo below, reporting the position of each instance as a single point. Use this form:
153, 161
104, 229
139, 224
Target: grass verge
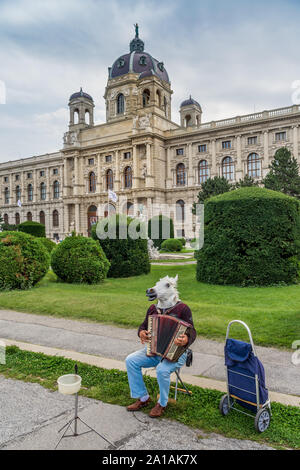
272, 313
199, 411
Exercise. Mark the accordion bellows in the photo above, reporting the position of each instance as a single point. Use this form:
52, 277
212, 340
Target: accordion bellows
164, 329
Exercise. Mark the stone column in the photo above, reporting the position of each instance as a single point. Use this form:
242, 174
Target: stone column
266, 148
48, 184
35, 189
99, 181
76, 175
66, 223
135, 168
77, 218
213, 158
117, 172
295, 142
190, 170
149, 207
238, 169
169, 171
65, 178
149, 176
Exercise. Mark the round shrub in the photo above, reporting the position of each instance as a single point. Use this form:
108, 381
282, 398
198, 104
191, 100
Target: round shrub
23, 260
33, 228
172, 244
127, 256
250, 238
160, 228
48, 244
79, 259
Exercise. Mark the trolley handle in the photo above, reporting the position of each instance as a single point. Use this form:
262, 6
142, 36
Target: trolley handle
248, 330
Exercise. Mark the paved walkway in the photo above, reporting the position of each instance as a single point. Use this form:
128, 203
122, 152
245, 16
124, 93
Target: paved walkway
113, 343
31, 417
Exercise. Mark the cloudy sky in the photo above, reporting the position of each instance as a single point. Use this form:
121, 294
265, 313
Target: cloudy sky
234, 57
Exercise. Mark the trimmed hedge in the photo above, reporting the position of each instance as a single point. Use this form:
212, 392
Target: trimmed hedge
23, 260
79, 259
250, 238
48, 244
33, 228
172, 244
127, 256
156, 225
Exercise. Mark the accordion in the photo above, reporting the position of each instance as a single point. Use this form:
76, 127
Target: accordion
164, 329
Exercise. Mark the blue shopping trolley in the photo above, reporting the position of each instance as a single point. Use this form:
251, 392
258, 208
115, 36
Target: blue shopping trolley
245, 377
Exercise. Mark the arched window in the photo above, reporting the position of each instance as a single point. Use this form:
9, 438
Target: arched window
43, 191
180, 210
109, 179
109, 210
180, 174
146, 97
128, 208
92, 217
18, 193
228, 168
5, 218
55, 218
120, 104
30, 192
158, 98
17, 218
42, 218
29, 216
6, 196
254, 165
76, 116
92, 182
56, 189
202, 171
187, 120
128, 177
87, 117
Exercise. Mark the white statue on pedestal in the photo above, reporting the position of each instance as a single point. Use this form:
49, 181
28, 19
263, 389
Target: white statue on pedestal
152, 250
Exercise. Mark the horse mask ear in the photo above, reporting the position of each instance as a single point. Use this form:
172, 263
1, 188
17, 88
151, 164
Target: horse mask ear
176, 278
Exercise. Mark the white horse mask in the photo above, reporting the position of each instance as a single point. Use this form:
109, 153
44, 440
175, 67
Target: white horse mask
165, 292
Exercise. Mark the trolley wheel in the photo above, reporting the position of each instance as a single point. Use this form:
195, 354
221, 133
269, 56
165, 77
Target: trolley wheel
224, 406
262, 420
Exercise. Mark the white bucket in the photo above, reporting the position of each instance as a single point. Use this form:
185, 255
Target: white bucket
69, 384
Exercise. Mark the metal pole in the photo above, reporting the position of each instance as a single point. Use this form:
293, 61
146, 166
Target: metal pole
76, 414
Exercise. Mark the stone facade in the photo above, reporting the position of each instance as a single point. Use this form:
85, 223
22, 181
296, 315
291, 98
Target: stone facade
153, 164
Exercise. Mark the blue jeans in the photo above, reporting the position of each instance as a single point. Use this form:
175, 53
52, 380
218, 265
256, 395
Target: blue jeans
164, 369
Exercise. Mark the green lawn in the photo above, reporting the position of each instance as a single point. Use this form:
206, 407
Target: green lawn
272, 313
199, 411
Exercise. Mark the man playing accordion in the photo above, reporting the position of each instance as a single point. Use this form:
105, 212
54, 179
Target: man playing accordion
168, 304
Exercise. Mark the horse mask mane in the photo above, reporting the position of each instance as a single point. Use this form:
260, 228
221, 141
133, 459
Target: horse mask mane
165, 291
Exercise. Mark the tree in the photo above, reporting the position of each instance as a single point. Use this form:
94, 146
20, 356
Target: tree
213, 187
245, 182
284, 174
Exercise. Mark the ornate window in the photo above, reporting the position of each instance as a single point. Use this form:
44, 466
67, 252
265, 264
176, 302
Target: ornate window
92, 182
17, 218
143, 60
42, 218
56, 189
55, 218
5, 218
226, 144
30, 192
180, 210
202, 171
146, 97
180, 174
128, 177
253, 165
43, 191
109, 179
29, 216
18, 193
6, 196
228, 168
120, 104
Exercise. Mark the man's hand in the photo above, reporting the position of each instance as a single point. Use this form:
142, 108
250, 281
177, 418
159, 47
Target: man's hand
144, 336
182, 340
